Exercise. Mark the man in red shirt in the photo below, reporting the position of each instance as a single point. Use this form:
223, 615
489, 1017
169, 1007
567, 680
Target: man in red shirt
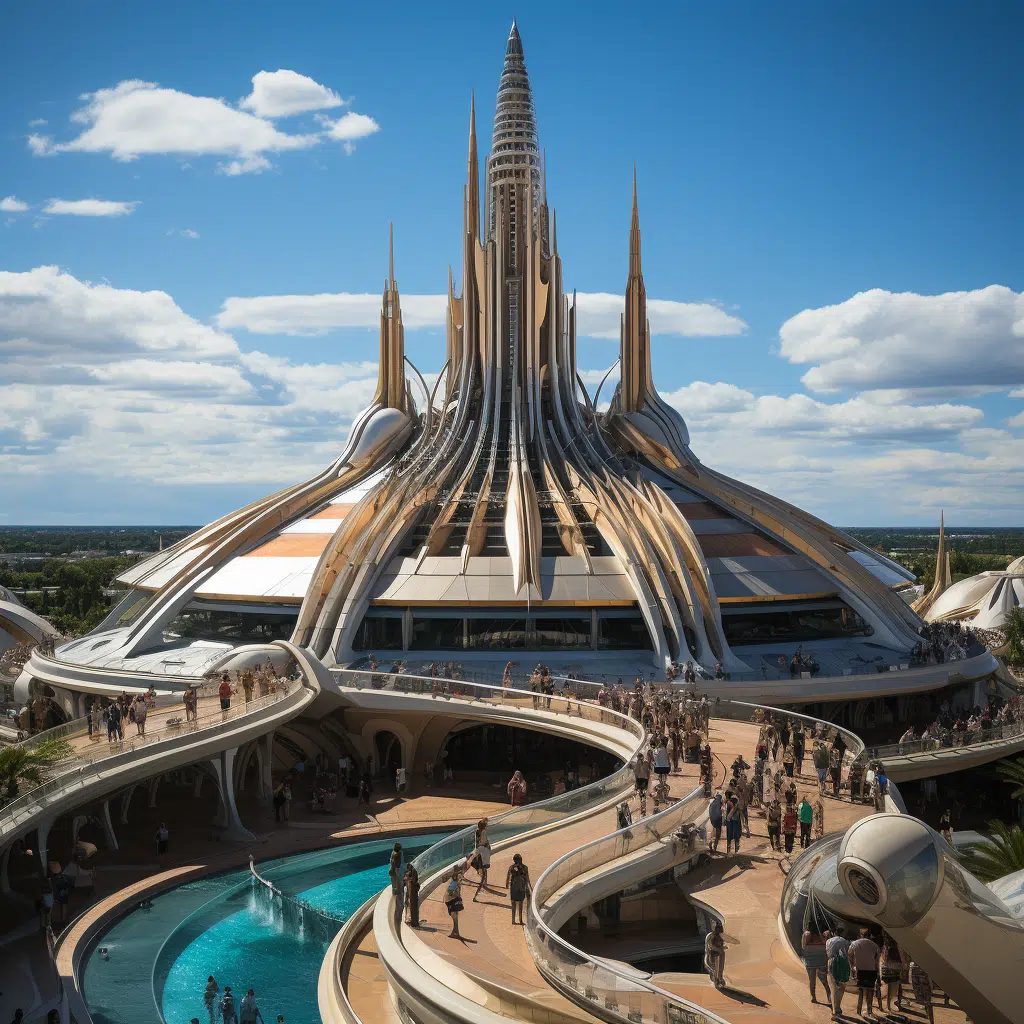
225, 693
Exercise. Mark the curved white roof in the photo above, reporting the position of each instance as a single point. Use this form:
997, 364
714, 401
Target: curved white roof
985, 600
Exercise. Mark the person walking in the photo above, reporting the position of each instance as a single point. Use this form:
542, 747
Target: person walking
249, 1012
396, 873
227, 1007
819, 818
163, 837
864, 955
890, 969
836, 954
714, 954
210, 994
733, 822
815, 963
248, 685
481, 859
453, 901
715, 820
805, 814
412, 895
641, 777
819, 755
835, 767
516, 789
224, 692
286, 792
789, 822
141, 710
775, 825
921, 983
517, 881
788, 760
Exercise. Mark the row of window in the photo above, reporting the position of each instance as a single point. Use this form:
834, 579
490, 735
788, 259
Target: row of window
571, 633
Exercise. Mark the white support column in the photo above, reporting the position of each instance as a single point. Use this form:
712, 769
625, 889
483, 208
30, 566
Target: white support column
76, 826
126, 803
43, 831
197, 789
223, 767
108, 828
154, 785
264, 764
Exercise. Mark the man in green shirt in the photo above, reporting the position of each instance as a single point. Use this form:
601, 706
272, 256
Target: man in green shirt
805, 812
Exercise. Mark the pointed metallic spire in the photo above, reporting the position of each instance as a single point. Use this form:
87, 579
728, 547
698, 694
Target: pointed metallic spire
473, 175
391, 254
634, 234
515, 44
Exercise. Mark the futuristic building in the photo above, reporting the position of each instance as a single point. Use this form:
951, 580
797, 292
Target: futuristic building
500, 513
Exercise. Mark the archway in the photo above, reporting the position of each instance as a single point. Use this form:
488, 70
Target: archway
387, 749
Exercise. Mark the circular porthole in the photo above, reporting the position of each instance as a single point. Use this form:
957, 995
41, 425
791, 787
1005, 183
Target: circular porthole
864, 887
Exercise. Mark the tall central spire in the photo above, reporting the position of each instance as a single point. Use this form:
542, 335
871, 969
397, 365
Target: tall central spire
515, 155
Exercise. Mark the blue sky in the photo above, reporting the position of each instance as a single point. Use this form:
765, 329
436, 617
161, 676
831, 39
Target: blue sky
829, 194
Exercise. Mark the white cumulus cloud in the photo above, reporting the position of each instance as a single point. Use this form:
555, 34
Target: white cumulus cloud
880, 339
282, 93
136, 118
598, 316
11, 204
351, 127
89, 207
316, 314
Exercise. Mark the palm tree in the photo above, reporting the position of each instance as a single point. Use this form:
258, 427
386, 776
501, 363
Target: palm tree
1012, 771
1001, 855
21, 763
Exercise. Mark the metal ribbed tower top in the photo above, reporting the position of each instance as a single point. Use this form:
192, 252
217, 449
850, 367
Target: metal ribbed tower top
515, 155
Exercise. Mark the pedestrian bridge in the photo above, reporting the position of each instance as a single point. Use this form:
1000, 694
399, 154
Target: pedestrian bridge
917, 759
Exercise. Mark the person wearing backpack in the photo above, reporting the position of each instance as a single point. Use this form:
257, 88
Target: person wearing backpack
837, 954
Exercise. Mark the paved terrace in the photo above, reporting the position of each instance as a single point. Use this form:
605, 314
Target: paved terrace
493, 965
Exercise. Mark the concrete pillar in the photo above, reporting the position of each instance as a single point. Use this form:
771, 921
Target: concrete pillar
43, 832
108, 828
126, 803
264, 764
76, 825
197, 789
154, 785
223, 767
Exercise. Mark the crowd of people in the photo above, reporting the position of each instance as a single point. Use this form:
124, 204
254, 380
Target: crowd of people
941, 642
226, 1007
872, 963
960, 727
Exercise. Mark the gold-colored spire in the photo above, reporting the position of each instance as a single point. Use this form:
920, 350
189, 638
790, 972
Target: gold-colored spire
473, 176
391, 255
634, 234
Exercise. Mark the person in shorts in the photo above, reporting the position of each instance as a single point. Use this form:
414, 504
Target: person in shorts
863, 954
224, 692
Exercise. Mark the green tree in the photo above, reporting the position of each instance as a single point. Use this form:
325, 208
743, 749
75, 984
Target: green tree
32, 764
1014, 631
1001, 855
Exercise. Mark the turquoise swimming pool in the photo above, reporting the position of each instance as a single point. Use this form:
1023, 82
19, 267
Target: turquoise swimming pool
158, 959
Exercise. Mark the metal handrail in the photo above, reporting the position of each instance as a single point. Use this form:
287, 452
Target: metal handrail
76, 770
947, 740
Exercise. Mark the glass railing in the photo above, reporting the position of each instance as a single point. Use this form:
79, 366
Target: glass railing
444, 688
531, 816
91, 760
947, 739
598, 983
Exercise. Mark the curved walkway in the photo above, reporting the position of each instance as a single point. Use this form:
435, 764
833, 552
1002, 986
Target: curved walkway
922, 760
99, 768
